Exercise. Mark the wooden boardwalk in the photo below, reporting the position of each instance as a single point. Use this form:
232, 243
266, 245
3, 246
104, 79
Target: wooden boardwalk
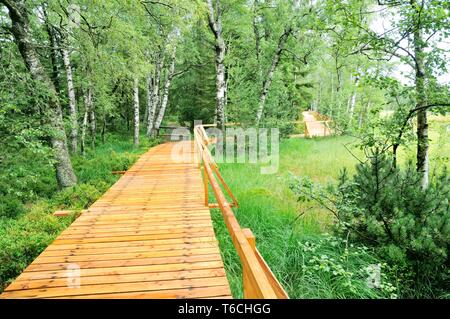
149, 236
314, 127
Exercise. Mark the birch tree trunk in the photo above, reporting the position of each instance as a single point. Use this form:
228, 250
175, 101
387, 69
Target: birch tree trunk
422, 121
53, 52
215, 24
364, 111
353, 101
136, 111
20, 29
149, 105
155, 96
89, 103
71, 95
166, 89
257, 33
269, 78
83, 132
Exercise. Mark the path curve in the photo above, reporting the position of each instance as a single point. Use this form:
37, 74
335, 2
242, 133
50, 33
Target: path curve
314, 127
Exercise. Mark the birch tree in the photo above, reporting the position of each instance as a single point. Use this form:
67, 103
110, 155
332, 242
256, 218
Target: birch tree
410, 40
20, 28
154, 101
270, 74
215, 24
70, 92
166, 89
267, 82
136, 111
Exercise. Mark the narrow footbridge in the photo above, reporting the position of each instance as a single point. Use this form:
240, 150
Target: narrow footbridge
314, 127
151, 236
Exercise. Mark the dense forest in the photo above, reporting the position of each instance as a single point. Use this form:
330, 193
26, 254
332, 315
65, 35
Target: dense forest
85, 86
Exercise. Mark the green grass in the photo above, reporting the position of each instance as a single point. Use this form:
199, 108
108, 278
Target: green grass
24, 237
283, 226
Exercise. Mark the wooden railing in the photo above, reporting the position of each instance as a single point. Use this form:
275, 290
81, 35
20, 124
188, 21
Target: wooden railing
258, 280
326, 128
168, 136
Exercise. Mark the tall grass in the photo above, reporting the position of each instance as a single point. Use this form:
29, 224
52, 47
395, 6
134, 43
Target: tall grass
283, 227
291, 236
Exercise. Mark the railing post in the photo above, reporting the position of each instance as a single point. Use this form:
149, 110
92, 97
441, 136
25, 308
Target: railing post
205, 186
250, 237
249, 290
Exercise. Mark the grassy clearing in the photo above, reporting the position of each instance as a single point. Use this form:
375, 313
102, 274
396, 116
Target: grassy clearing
286, 230
24, 237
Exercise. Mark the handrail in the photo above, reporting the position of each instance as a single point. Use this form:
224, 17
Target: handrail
258, 280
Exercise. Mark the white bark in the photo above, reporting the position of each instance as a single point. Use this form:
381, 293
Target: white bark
89, 105
353, 100
166, 89
149, 105
155, 98
72, 100
268, 81
18, 12
136, 111
83, 132
215, 24
423, 160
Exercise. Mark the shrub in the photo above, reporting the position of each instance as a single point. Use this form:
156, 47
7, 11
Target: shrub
384, 207
23, 239
10, 207
80, 196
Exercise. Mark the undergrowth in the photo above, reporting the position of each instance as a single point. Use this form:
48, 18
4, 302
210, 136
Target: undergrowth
27, 225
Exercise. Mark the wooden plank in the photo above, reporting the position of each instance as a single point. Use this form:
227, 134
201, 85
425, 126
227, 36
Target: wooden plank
111, 271
149, 236
200, 292
117, 288
125, 278
124, 255
123, 250
36, 266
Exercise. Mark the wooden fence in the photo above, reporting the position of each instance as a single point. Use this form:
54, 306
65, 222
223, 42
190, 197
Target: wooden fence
258, 279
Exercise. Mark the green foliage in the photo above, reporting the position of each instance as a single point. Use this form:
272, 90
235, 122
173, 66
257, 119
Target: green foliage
384, 207
22, 240
286, 230
26, 230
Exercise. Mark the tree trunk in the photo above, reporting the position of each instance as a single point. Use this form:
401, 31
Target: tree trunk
352, 103
149, 105
71, 95
257, 33
215, 24
22, 35
136, 111
104, 129
364, 111
268, 81
153, 103
422, 121
165, 99
89, 104
53, 52
83, 132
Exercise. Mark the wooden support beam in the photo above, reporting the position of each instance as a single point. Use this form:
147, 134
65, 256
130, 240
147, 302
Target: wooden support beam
250, 237
61, 213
